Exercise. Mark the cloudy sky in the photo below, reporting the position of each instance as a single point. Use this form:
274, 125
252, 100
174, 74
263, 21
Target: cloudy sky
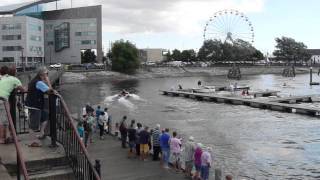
179, 24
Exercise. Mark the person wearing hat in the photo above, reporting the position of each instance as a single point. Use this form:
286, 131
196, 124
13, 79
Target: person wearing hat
206, 162
156, 142
37, 102
189, 149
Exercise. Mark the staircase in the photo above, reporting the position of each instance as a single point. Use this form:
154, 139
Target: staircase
43, 163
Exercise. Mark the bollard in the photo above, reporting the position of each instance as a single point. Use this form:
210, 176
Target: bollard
310, 75
218, 174
97, 166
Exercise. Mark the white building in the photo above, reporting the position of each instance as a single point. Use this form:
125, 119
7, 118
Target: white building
28, 34
21, 39
315, 56
152, 55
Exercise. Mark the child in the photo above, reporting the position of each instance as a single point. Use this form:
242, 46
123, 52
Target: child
80, 130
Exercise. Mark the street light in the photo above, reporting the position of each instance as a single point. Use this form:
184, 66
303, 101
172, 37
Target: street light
22, 59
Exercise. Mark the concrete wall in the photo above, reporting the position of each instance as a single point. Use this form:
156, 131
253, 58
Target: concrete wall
83, 19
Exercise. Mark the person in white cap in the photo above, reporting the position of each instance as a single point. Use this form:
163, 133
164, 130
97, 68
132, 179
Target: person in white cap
206, 162
197, 160
156, 142
189, 149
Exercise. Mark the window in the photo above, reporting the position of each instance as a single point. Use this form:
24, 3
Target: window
35, 49
35, 38
11, 48
11, 37
11, 26
87, 42
35, 27
62, 36
8, 59
87, 33
50, 43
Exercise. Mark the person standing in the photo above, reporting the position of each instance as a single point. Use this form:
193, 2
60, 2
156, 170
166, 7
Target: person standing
165, 148
98, 113
197, 160
101, 122
175, 148
144, 146
132, 132
156, 142
139, 129
36, 101
123, 131
189, 149
7, 84
206, 162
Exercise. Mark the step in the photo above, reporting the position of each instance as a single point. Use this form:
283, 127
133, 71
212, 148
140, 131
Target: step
58, 173
4, 174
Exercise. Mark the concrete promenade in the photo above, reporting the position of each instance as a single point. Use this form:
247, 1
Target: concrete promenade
116, 166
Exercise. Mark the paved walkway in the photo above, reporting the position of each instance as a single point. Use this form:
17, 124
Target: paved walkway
116, 165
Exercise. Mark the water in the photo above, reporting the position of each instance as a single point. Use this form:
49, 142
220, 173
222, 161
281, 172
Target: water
248, 143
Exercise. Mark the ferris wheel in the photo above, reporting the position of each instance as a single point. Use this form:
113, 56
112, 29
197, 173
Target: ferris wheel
228, 26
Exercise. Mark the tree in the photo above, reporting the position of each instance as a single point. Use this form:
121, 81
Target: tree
287, 49
188, 56
88, 56
238, 50
211, 50
124, 57
176, 55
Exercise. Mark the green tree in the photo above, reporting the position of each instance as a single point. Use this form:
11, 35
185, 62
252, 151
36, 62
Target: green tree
211, 50
88, 56
176, 55
188, 56
288, 49
124, 57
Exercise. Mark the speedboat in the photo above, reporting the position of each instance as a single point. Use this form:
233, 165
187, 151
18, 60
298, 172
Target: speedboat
204, 89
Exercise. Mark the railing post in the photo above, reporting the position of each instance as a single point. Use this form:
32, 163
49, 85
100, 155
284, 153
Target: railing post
53, 119
97, 166
218, 174
18, 167
13, 110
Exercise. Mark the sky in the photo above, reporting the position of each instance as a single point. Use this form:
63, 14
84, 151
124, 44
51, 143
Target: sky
179, 24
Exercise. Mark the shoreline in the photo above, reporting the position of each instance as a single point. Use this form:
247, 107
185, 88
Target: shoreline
167, 72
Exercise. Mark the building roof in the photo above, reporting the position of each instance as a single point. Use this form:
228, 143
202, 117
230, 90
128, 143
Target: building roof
14, 8
314, 51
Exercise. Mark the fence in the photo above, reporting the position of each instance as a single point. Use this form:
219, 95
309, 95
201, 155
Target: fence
62, 130
21, 166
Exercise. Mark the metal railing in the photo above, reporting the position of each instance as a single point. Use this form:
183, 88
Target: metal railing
63, 130
21, 165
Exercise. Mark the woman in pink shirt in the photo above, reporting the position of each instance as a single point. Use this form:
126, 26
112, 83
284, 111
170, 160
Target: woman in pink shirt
197, 160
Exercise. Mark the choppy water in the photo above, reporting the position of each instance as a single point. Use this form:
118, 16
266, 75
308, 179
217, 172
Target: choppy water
248, 143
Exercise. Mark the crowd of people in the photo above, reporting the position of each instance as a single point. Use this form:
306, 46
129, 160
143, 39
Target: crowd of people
141, 141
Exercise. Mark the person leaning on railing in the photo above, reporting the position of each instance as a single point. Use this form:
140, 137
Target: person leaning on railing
8, 83
38, 88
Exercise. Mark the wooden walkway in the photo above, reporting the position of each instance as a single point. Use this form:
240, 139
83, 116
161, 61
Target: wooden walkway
272, 104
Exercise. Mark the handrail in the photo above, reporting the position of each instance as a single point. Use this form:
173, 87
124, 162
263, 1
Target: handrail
18, 148
81, 150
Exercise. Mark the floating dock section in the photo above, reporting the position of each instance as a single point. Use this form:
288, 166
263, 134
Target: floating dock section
276, 104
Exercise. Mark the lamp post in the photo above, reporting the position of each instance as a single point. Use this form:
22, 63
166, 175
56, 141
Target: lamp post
22, 59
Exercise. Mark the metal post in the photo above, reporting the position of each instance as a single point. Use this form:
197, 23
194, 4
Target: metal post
218, 174
97, 166
310, 75
18, 167
13, 112
53, 119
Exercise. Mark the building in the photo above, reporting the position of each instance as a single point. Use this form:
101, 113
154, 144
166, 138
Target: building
315, 55
152, 55
28, 34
